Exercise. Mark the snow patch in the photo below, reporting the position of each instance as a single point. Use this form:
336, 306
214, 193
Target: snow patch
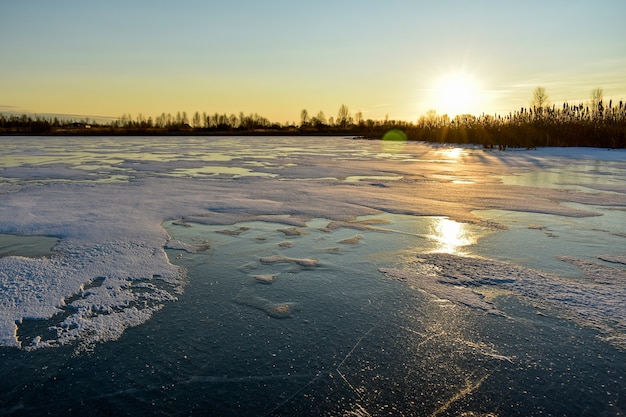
596, 301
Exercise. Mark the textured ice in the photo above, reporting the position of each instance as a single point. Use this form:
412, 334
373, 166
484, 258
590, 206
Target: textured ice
596, 300
352, 240
291, 231
621, 259
187, 247
265, 278
279, 310
106, 199
274, 259
136, 280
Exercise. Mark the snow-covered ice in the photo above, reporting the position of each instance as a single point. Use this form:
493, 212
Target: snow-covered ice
596, 300
107, 198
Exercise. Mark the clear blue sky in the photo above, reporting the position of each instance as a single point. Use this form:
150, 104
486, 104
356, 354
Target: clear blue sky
275, 58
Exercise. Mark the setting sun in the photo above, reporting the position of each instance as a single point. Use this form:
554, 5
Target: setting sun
457, 93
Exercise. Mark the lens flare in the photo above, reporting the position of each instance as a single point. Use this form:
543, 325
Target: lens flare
394, 141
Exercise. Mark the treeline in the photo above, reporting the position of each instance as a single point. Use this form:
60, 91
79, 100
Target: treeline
596, 124
126, 124
602, 125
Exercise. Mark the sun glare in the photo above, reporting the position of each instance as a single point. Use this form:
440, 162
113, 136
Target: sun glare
452, 153
457, 93
451, 235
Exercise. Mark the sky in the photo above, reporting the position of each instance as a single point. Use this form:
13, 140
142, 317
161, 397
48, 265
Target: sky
396, 59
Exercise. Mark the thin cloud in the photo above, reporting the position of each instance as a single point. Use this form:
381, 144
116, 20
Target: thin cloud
6, 107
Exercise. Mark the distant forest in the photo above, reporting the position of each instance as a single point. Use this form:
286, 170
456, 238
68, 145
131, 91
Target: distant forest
594, 124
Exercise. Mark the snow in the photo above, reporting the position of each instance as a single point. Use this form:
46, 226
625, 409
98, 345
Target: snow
614, 258
306, 262
596, 300
279, 310
106, 200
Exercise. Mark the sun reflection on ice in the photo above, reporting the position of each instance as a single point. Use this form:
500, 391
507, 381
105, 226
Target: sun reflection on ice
453, 153
450, 235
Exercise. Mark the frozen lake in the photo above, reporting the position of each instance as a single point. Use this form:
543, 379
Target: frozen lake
280, 276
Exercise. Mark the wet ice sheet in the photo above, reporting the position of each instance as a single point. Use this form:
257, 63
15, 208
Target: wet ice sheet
29, 246
538, 240
320, 282
106, 198
594, 300
367, 348
345, 341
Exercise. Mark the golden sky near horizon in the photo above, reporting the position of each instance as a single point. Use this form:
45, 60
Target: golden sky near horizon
275, 58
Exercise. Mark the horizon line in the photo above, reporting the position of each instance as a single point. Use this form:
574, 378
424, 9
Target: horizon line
190, 114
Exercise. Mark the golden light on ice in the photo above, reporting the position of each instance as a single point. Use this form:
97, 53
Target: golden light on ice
452, 153
450, 235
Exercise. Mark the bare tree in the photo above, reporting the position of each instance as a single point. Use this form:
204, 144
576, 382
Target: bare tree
304, 117
540, 98
596, 101
596, 95
232, 121
429, 120
343, 116
181, 119
358, 118
321, 117
196, 120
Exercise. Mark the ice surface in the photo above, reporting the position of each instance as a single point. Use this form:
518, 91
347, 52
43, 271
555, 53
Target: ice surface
106, 200
279, 310
265, 278
30, 246
306, 262
596, 301
351, 240
138, 279
614, 258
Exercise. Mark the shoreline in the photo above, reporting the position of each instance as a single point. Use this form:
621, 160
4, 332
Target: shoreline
434, 136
